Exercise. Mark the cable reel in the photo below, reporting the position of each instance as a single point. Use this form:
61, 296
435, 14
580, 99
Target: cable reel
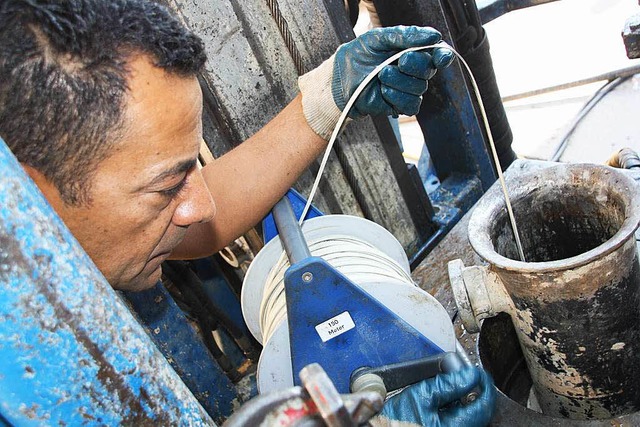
366, 254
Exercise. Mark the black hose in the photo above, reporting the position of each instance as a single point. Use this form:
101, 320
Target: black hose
595, 99
470, 39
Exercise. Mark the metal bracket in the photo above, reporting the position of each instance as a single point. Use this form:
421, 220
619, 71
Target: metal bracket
334, 322
479, 294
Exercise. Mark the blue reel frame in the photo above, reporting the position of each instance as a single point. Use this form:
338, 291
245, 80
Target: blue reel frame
337, 324
332, 321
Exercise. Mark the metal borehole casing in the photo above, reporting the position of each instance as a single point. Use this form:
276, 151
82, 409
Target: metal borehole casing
575, 303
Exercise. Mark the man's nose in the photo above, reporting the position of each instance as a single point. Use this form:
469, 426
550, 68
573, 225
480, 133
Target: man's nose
196, 205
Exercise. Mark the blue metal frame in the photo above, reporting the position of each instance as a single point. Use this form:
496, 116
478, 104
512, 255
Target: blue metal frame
325, 294
71, 353
181, 345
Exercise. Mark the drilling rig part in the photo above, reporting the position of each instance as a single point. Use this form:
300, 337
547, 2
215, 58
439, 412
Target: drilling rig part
70, 350
575, 301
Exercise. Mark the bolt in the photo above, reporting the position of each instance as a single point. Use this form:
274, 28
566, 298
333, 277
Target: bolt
369, 383
307, 277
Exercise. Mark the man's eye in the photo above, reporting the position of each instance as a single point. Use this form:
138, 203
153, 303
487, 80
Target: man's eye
173, 191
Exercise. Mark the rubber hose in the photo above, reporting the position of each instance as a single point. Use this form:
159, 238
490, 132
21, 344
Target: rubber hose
479, 60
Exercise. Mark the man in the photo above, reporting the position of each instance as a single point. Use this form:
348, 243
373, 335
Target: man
100, 103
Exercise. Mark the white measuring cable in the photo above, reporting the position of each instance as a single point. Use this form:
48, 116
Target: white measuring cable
359, 261
485, 121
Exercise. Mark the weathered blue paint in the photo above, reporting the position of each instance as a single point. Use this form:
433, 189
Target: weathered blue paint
452, 130
71, 353
328, 294
453, 198
168, 328
456, 192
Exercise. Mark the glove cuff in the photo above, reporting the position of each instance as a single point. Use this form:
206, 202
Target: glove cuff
318, 106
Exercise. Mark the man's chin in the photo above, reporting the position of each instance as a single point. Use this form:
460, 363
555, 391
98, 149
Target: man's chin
141, 282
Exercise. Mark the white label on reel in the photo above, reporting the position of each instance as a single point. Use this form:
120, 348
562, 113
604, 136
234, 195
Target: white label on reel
335, 326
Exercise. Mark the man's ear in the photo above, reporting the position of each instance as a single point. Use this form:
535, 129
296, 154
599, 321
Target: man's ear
47, 188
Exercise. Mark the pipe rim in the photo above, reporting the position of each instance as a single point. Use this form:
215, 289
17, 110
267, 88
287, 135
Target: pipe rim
491, 206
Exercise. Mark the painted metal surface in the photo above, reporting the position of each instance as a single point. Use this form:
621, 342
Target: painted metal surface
337, 324
181, 345
575, 302
253, 288
447, 116
416, 307
70, 350
448, 119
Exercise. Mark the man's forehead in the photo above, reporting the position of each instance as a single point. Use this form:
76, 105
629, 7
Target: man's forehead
162, 128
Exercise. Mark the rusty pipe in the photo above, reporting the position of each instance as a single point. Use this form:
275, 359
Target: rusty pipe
575, 303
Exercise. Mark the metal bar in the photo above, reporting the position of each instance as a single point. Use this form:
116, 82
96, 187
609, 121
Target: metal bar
70, 351
447, 117
609, 75
290, 232
492, 9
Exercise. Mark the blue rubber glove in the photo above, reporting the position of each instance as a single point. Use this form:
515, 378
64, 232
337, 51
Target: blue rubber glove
397, 89
436, 402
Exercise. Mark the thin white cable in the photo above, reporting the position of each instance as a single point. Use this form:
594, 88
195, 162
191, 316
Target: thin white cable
485, 121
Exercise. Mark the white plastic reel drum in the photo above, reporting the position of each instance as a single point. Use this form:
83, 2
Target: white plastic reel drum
417, 307
314, 229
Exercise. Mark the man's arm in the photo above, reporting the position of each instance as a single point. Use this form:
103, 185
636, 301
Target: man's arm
247, 181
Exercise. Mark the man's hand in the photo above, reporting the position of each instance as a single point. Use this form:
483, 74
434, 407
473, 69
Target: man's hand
397, 89
436, 402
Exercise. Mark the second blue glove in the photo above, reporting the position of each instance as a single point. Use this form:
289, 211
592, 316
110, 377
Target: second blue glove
436, 402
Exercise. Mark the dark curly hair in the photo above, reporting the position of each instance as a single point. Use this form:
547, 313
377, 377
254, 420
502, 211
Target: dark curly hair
63, 78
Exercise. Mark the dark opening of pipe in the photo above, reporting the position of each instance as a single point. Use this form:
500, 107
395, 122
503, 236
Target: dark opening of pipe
556, 223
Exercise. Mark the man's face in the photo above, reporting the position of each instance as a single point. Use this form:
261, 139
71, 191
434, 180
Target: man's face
149, 190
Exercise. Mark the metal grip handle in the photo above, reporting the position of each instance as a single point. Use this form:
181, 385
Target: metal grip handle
290, 232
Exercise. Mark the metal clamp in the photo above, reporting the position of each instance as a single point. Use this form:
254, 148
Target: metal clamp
316, 404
